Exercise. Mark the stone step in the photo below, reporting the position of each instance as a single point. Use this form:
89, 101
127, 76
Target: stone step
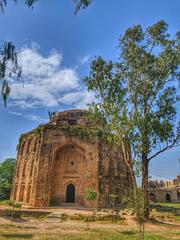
53, 221
55, 216
70, 205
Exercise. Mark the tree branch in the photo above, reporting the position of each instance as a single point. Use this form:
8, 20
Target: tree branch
173, 144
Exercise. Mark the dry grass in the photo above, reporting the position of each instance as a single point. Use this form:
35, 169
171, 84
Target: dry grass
73, 227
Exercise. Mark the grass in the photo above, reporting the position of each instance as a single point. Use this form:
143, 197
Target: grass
4, 202
177, 218
174, 205
86, 235
40, 216
14, 236
77, 233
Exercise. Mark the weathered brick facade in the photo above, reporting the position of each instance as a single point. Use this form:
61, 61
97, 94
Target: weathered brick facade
55, 164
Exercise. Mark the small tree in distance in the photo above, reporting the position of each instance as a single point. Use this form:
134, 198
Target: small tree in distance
90, 196
14, 206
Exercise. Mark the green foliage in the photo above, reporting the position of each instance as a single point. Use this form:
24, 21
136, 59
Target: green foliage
38, 131
83, 133
29, 3
97, 233
8, 53
79, 4
6, 173
14, 206
135, 95
8, 57
17, 147
21, 137
138, 94
90, 194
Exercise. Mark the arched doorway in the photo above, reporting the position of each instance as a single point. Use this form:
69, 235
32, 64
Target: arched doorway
168, 197
70, 193
152, 197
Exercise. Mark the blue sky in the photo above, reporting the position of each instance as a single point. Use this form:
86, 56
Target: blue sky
58, 48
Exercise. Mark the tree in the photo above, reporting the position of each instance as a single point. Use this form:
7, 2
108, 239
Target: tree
137, 95
9, 68
79, 4
14, 206
90, 195
6, 173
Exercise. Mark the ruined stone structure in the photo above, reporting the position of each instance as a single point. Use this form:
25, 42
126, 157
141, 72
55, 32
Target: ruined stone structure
164, 191
57, 161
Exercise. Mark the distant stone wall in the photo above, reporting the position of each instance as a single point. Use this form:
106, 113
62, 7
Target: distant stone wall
164, 183
164, 191
164, 194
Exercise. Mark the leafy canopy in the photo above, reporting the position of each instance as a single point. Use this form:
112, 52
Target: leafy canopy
138, 94
6, 172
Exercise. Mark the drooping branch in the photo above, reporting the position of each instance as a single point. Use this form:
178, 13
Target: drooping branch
79, 4
8, 57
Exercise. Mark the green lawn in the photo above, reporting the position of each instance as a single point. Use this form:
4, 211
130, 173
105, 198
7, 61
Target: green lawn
174, 205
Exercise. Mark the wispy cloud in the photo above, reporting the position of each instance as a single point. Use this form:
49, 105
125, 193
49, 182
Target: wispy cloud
31, 117
36, 118
78, 99
84, 60
16, 113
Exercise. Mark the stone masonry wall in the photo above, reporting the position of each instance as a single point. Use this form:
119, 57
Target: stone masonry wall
113, 176
53, 176
50, 158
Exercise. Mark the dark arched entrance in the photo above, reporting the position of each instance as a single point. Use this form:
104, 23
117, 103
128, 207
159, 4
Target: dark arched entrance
152, 197
168, 197
70, 193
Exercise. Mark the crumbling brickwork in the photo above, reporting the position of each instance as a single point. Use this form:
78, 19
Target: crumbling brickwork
55, 165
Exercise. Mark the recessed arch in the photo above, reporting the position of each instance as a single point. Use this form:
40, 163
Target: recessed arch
65, 145
68, 164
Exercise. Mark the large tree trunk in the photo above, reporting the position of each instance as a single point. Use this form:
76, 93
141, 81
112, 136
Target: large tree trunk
129, 163
145, 198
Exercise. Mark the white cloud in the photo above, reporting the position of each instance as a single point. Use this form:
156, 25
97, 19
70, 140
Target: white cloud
79, 99
45, 80
16, 113
36, 118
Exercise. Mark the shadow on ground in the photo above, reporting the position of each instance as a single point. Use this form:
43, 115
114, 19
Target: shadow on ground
17, 236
